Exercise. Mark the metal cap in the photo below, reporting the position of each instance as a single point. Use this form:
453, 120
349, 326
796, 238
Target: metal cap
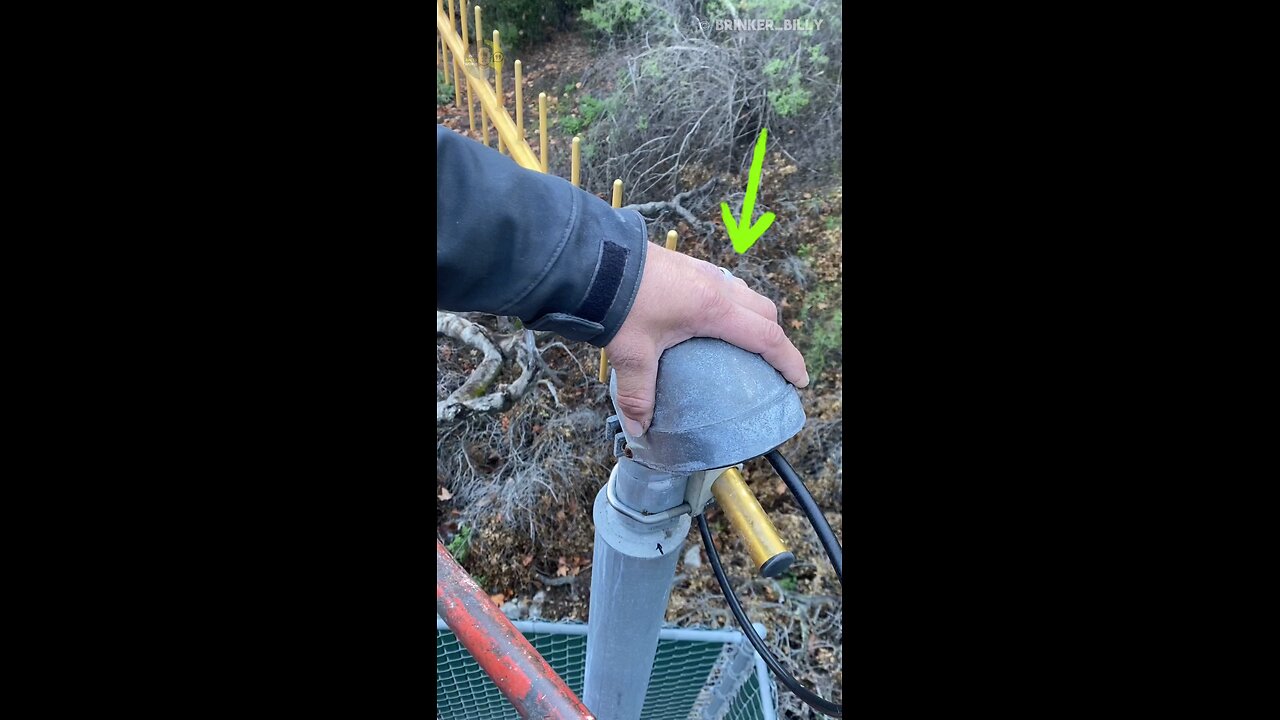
717, 405
777, 564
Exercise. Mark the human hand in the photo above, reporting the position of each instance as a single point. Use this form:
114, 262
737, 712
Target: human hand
680, 298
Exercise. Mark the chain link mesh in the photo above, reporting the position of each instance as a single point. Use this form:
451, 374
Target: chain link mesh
681, 671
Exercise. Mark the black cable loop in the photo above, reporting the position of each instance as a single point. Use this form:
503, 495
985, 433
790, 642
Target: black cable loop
810, 509
829, 543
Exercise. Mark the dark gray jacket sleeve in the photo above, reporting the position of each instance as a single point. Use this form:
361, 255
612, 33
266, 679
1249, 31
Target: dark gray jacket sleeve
511, 241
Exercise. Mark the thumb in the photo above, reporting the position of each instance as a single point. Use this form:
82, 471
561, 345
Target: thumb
637, 381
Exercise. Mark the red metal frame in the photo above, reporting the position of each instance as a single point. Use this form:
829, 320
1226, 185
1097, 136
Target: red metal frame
523, 676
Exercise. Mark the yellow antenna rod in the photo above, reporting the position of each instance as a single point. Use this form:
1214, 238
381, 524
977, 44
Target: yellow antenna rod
467, 59
466, 37
671, 239
520, 151
542, 128
575, 172
457, 62
519, 100
444, 65
439, 46
484, 118
604, 360
497, 78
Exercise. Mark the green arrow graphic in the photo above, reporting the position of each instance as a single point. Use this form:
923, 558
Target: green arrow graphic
745, 234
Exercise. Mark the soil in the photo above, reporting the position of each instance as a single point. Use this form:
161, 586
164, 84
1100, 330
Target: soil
546, 547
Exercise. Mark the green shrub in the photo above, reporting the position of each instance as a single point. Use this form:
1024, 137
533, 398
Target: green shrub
524, 23
591, 109
444, 91
775, 10
615, 16
786, 93
791, 99
823, 328
460, 545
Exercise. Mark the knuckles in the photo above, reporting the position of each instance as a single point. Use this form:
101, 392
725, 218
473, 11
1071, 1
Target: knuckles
635, 406
706, 295
773, 335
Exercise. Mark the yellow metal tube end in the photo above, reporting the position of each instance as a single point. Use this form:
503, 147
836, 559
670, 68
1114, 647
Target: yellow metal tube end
763, 543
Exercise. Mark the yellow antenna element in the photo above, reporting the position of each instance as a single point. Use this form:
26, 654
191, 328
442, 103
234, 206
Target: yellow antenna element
444, 65
519, 101
457, 63
604, 360
497, 79
542, 128
502, 124
575, 172
484, 117
468, 60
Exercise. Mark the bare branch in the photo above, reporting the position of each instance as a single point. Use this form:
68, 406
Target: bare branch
471, 397
676, 206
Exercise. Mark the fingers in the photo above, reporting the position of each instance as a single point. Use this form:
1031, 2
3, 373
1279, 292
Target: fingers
754, 301
749, 331
637, 368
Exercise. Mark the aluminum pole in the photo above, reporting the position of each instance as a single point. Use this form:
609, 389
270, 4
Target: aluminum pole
631, 575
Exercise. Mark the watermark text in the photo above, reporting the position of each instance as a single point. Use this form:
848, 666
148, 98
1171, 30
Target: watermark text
753, 25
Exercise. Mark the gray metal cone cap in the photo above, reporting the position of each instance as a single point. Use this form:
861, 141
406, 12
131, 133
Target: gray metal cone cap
717, 405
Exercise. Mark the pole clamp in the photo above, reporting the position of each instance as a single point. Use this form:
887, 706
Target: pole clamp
697, 495
639, 517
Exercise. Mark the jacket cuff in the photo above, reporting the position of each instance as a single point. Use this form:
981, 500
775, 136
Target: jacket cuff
613, 288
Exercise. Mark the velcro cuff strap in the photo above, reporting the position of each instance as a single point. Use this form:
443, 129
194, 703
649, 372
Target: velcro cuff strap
569, 326
604, 286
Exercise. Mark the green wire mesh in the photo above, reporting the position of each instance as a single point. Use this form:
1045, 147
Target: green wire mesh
682, 669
